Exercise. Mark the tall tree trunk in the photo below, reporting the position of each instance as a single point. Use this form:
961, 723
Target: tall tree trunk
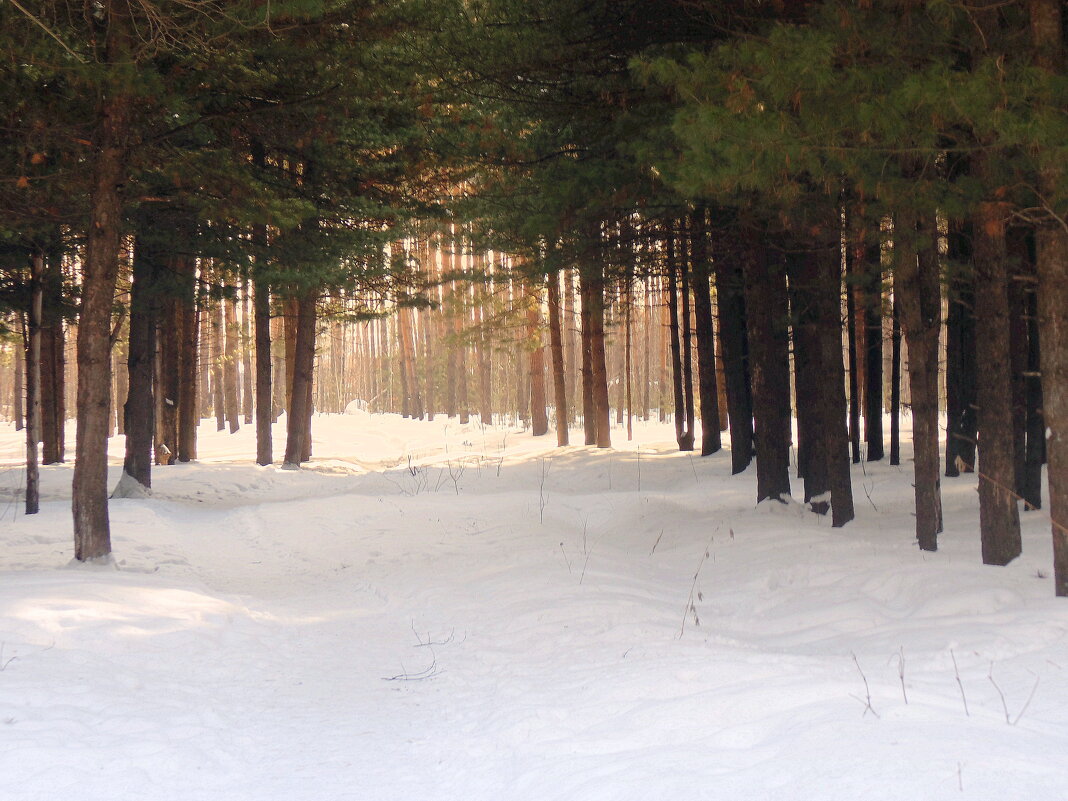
589, 415
735, 345
299, 411
231, 356
92, 531
539, 419
999, 520
895, 377
767, 316
873, 352
188, 336
33, 381
1052, 267
139, 409
917, 285
961, 403
53, 362
18, 392
601, 409
261, 299
683, 435
706, 345
218, 346
854, 355
687, 340
1035, 423
247, 381
556, 350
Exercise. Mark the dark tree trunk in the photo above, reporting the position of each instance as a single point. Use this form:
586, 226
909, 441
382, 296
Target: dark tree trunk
1052, 267
92, 532
873, 353
687, 342
247, 381
1035, 423
589, 416
1028, 470
999, 520
961, 368
33, 381
53, 363
735, 346
19, 391
801, 270
261, 301
231, 355
539, 418
895, 377
188, 346
556, 348
599, 369
140, 406
767, 317
854, 355
218, 395
683, 435
299, 411
917, 292
703, 326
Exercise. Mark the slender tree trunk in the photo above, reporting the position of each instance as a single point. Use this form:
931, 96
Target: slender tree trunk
556, 351
854, 355
999, 520
1035, 423
589, 416
917, 283
187, 332
53, 363
1052, 267
687, 340
706, 346
247, 380
92, 531
961, 368
539, 419
140, 406
601, 409
735, 346
299, 411
33, 382
261, 300
767, 316
895, 377
873, 353
683, 435
231, 356
19, 393
218, 393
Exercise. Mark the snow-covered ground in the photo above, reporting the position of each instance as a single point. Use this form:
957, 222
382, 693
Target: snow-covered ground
436, 611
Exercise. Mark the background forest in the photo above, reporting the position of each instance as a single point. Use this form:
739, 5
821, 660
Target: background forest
787, 221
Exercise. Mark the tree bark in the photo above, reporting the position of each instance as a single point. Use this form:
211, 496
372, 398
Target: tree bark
92, 531
1052, 267
706, 346
683, 436
139, 409
767, 316
873, 353
539, 419
33, 381
188, 348
999, 520
556, 350
299, 411
599, 369
917, 287
589, 415
735, 346
261, 300
961, 402
895, 377
53, 363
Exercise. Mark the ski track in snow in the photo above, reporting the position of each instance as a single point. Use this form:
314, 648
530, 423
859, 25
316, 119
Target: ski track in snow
439, 611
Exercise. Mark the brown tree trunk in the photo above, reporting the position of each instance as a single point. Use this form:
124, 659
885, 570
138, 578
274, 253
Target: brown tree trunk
1052, 268
917, 290
539, 418
92, 531
767, 315
188, 348
139, 409
895, 377
872, 277
247, 380
18, 392
261, 305
231, 356
589, 415
735, 345
683, 436
999, 520
33, 382
299, 411
599, 370
556, 350
703, 326
218, 347
53, 364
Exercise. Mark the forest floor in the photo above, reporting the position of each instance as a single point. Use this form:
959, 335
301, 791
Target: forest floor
432, 611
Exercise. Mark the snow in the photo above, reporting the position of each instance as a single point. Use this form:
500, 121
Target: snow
437, 611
